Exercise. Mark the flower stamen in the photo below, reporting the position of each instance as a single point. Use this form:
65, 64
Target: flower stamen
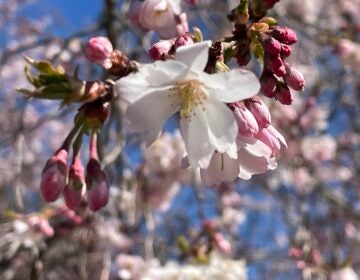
188, 95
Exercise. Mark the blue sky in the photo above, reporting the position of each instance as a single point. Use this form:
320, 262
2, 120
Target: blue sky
70, 15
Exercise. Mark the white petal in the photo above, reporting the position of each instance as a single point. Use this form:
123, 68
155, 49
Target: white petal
194, 56
222, 168
149, 114
150, 77
238, 84
195, 133
258, 148
222, 127
252, 164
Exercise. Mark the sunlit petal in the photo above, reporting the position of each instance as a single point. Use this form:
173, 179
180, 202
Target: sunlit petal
148, 114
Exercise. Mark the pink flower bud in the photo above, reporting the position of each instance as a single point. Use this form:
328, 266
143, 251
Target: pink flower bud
272, 46
54, 176
97, 185
163, 17
283, 95
184, 40
260, 111
284, 34
222, 244
182, 25
74, 190
271, 138
294, 78
247, 124
161, 49
98, 50
276, 66
268, 84
286, 50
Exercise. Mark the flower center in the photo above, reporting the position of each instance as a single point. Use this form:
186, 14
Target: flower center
188, 95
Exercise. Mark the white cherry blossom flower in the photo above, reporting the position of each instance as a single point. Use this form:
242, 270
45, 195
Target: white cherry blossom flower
160, 89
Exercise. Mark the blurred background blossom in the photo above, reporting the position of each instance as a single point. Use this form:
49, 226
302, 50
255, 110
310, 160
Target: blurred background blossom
300, 221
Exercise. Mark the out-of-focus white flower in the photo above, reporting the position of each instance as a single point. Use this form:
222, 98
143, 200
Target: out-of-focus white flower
318, 148
28, 232
165, 153
130, 266
346, 273
218, 268
160, 89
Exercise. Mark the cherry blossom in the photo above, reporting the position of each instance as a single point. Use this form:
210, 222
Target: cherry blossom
160, 89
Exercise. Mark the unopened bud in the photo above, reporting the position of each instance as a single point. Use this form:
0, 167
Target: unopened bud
272, 46
98, 50
184, 40
284, 34
247, 124
269, 140
182, 25
283, 95
97, 185
268, 84
294, 78
74, 190
276, 66
286, 50
161, 49
53, 177
260, 111
96, 182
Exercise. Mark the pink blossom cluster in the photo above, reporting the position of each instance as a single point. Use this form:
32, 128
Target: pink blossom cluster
276, 43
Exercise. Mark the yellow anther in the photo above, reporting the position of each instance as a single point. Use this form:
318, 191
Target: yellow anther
188, 95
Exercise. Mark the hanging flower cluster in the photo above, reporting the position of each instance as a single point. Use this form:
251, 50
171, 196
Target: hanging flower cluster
225, 126
74, 182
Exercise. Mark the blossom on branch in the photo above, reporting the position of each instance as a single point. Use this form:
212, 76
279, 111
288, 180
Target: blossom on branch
163, 88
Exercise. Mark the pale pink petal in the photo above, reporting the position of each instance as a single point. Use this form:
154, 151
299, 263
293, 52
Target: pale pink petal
150, 77
222, 168
195, 133
222, 127
149, 114
277, 134
250, 165
236, 85
194, 56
